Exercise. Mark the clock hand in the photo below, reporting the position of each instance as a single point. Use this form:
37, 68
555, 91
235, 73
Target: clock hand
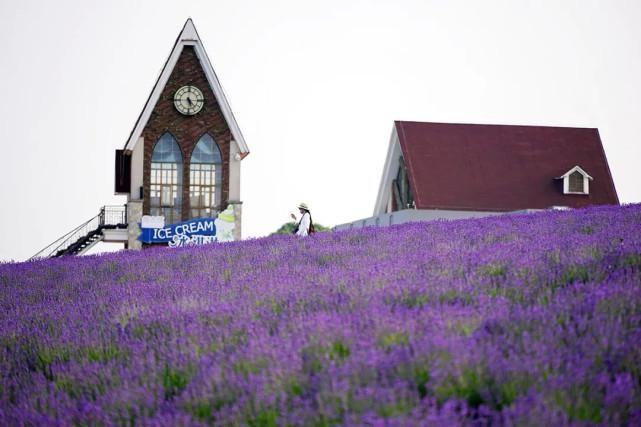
189, 101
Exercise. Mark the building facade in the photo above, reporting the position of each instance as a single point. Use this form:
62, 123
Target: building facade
455, 171
182, 159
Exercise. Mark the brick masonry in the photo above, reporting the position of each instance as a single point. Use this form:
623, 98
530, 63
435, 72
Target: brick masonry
187, 130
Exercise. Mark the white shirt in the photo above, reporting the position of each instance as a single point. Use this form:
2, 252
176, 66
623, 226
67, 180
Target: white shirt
303, 225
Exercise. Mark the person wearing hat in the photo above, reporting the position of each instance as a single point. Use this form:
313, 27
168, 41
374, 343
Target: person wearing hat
305, 222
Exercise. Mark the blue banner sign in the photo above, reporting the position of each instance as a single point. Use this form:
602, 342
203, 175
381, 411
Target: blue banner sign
193, 232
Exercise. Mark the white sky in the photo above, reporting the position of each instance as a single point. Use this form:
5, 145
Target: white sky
314, 86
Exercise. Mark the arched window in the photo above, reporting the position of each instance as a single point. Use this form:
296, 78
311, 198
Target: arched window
166, 179
205, 178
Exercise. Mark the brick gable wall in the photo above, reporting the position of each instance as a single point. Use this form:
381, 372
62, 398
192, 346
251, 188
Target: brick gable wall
186, 129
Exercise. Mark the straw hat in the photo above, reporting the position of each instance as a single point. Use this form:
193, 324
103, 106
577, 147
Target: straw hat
303, 206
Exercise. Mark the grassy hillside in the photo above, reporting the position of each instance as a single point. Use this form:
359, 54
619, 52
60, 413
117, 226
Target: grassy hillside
524, 319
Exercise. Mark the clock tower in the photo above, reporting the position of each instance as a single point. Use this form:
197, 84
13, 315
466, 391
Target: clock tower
182, 159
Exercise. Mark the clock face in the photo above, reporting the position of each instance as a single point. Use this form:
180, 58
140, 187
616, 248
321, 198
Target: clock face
189, 100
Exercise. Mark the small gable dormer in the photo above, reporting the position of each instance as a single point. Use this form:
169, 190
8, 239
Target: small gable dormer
576, 181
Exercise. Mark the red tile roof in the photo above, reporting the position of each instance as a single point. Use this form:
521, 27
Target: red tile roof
499, 167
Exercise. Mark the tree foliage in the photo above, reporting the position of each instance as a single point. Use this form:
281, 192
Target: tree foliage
289, 227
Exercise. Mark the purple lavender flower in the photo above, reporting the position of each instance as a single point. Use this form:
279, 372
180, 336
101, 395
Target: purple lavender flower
513, 320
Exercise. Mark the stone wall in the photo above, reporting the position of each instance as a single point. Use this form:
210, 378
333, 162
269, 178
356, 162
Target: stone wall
134, 216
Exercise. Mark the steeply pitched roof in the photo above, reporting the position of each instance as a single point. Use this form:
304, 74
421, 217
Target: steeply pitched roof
499, 167
188, 37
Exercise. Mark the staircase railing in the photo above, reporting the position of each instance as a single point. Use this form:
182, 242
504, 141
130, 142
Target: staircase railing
108, 217
113, 216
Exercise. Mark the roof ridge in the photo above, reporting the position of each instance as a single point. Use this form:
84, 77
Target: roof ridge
492, 124
188, 36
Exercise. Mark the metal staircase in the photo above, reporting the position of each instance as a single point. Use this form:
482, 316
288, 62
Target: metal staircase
83, 237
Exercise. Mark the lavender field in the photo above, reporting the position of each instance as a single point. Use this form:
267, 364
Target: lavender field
517, 320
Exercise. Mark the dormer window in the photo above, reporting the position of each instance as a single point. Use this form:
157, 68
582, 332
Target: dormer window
575, 184
576, 181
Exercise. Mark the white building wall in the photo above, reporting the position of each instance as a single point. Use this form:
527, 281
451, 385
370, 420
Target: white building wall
411, 215
234, 172
137, 163
383, 200
234, 187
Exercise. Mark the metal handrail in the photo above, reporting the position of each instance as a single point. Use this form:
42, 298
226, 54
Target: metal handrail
114, 215
108, 216
60, 242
